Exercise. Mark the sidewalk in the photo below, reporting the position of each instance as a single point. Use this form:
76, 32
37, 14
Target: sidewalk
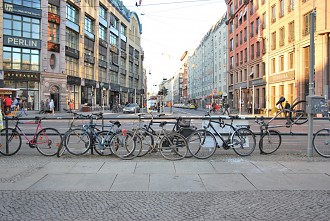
38, 173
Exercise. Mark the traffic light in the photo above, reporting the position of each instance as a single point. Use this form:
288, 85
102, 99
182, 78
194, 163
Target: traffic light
92, 93
165, 91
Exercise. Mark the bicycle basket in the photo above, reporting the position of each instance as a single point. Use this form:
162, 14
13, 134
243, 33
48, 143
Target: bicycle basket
184, 122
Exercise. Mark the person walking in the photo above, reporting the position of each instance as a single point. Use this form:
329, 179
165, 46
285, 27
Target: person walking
51, 106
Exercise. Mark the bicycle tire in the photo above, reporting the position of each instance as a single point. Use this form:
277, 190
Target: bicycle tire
173, 146
123, 145
78, 141
321, 142
48, 141
14, 141
298, 114
202, 144
270, 141
243, 142
147, 142
103, 148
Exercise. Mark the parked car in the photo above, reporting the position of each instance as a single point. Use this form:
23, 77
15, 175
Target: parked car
131, 108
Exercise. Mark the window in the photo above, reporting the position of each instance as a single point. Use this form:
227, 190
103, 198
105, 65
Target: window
231, 44
123, 29
103, 12
281, 61
306, 23
291, 6
252, 29
71, 66
231, 27
102, 32
53, 32
53, 9
114, 21
291, 60
252, 51
258, 48
273, 46
21, 59
231, 62
19, 26
240, 37
258, 26
245, 34
282, 36
273, 13
26, 3
245, 54
264, 20
72, 39
72, 14
89, 25
113, 39
273, 66
282, 6
291, 32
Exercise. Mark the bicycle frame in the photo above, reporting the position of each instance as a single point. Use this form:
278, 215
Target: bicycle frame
38, 128
222, 124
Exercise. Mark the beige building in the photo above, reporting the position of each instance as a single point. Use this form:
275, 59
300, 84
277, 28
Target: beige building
86, 51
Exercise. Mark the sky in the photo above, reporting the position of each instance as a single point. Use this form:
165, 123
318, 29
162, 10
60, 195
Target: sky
171, 27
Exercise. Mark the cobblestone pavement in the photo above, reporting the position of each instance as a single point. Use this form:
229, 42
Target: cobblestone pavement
105, 205
240, 205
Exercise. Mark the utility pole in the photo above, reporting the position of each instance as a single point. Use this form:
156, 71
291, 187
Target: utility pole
311, 82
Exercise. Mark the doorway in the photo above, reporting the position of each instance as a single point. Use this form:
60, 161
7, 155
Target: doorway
55, 97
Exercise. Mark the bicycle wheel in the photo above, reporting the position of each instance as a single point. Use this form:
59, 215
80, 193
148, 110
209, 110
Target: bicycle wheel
202, 144
123, 145
243, 141
14, 141
321, 142
270, 141
147, 142
298, 114
48, 140
173, 146
78, 141
102, 144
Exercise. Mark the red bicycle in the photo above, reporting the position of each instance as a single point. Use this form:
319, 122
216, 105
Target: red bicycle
46, 140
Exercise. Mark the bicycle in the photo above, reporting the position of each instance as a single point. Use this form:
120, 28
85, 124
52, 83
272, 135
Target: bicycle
45, 140
80, 140
294, 113
270, 140
203, 143
171, 144
321, 141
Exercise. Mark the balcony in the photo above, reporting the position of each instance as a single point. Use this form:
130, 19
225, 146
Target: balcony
89, 58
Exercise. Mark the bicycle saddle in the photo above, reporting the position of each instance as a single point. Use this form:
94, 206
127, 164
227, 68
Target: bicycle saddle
162, 124
280, 101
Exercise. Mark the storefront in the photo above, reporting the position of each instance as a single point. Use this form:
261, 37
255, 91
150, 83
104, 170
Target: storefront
27, 85
87, 92
73, 90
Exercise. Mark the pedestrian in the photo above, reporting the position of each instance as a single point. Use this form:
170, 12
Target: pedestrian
51, 106
7, 103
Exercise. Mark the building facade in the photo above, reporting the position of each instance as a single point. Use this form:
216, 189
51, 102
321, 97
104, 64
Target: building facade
269, 51
87, 52
207, 73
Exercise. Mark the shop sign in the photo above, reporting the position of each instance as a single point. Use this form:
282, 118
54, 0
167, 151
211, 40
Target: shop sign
19, 76
74, 80
22, 10
287, 76
53, 47
21, 42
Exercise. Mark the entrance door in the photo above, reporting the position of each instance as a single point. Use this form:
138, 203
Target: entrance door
55, 97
